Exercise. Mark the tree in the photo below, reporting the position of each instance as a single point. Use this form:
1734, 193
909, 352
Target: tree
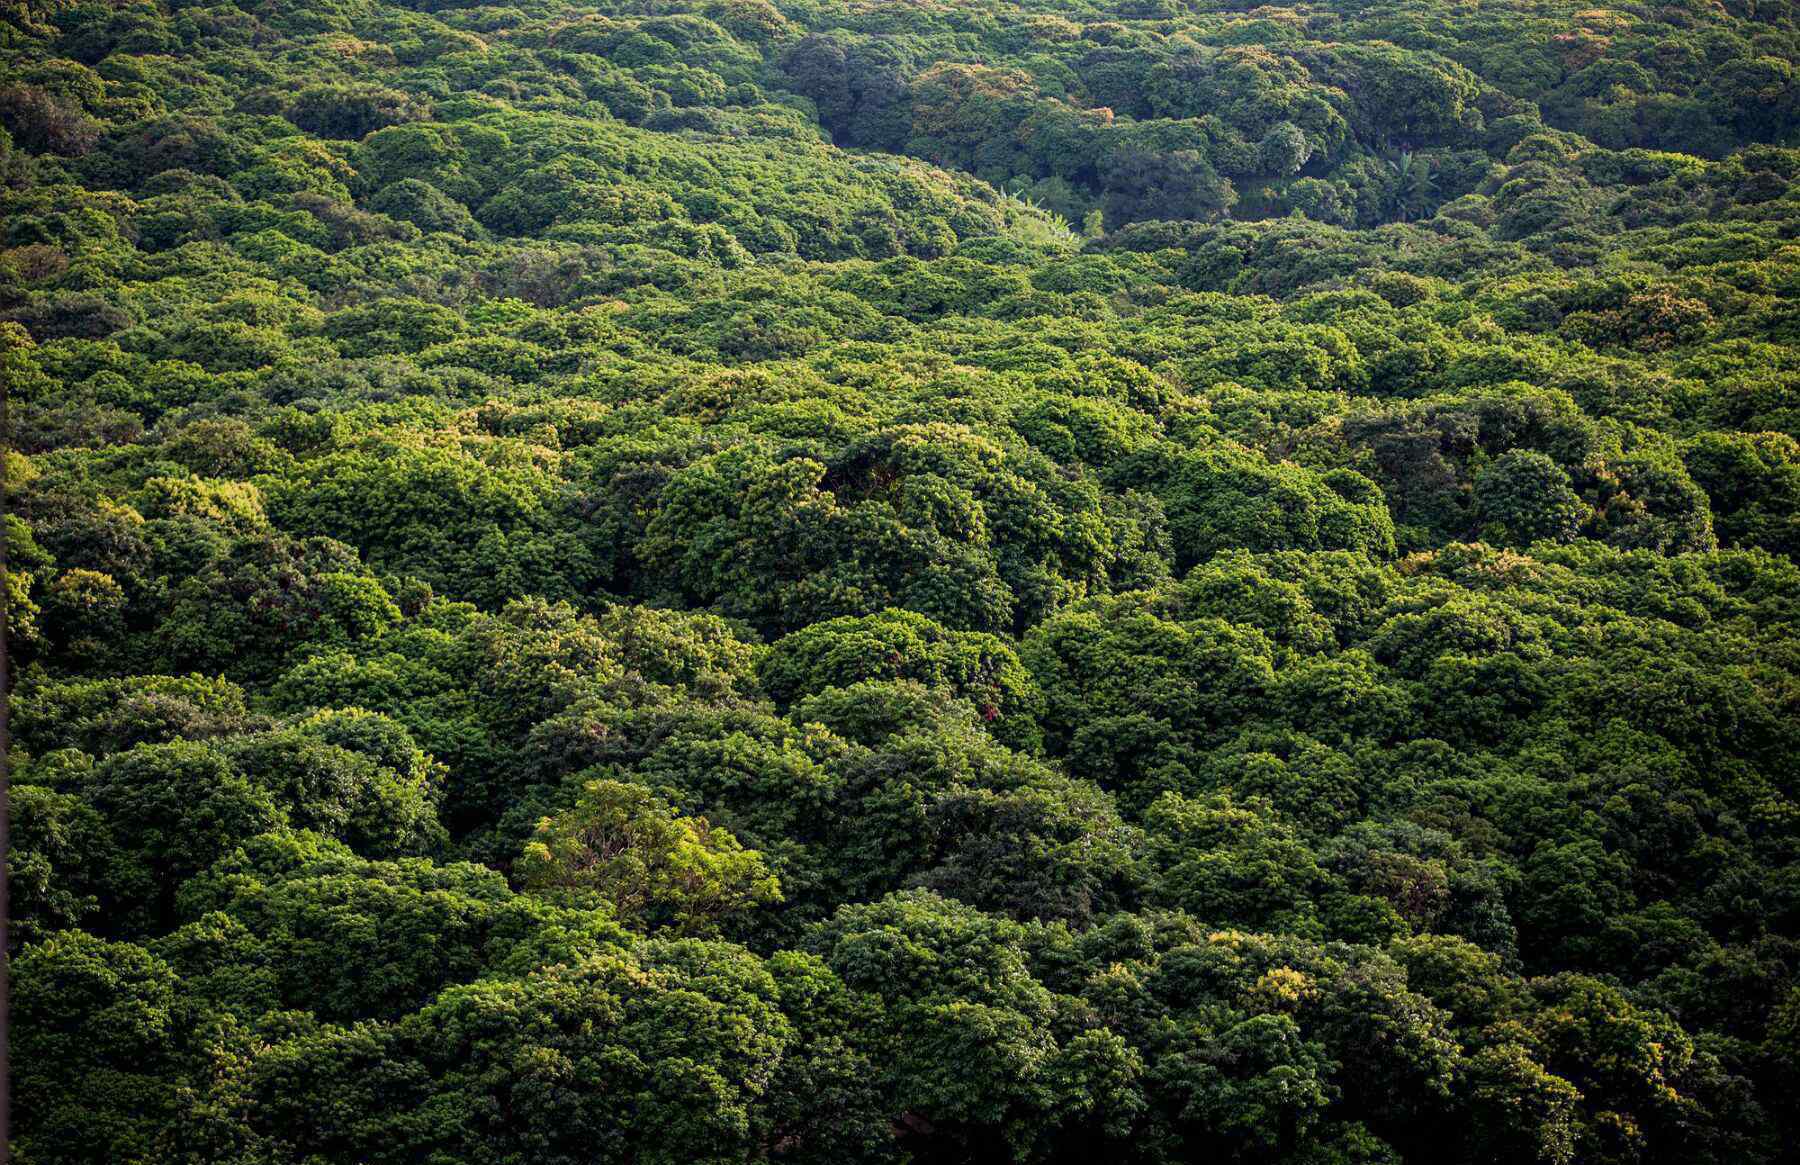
333, 777
967, 1055
1753, 484
1181, 184
175, 808
1522, 1113
295, 920
622, 846
1257, 1090
99, 1029
1284, 150
902, 645
47, 122
59, 864
1525, 495
1229, 498
353, 112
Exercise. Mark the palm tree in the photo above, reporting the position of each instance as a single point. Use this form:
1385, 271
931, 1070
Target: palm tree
1414, 190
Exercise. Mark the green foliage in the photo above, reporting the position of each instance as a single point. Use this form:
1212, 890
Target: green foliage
298, 921
99, 1027
899, 645
1223, 499
619, 845
1526, 496
619, 583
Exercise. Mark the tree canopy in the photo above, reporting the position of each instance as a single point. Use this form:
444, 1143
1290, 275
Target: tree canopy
796, 581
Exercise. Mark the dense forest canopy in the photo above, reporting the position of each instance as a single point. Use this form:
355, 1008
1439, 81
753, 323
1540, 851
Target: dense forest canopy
820, 581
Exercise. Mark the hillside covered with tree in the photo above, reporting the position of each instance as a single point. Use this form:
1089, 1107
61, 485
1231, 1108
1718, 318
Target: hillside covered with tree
863, 582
